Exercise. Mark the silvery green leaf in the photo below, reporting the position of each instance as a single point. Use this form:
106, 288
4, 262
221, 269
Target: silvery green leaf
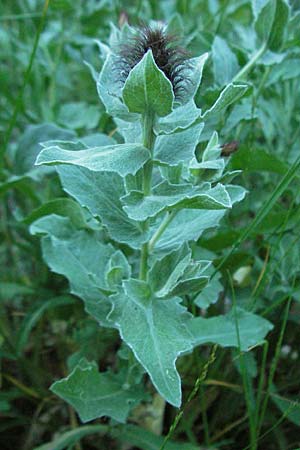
168, 196
29, 145
62, 207
192, 280
165, 272
222, 330
131, 131
180, 118
156, 342
174, 174
123, 159
225, 63
66, 145
270, 58
213, 149
231, 93
236, 193
217, 164
210, 159
94, 394
243, 111
76, 115
80, 257
210, 294
175, 148
97, 140
193, 74
187, 225
110, 89
148, 89
100, 192
116, 270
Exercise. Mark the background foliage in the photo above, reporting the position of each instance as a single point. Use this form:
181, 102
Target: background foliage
47, 92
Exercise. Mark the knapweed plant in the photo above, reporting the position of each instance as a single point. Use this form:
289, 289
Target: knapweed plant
146, 195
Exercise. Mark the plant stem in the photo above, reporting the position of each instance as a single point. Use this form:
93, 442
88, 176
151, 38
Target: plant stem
148, 142
169, 217
240, 75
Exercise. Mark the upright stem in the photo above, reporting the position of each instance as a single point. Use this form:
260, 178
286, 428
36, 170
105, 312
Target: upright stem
148, 142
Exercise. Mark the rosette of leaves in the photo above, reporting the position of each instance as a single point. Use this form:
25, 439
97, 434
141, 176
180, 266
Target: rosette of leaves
153, 196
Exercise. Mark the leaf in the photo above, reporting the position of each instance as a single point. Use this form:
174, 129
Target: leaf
60, 206
188, 225
29, 144
156, 342
245, 361
80, 257
123, 159
16, 182
225, 64
193, 279
165, 272
97, 140
231, 93
222, 329
257, 6
148, 89
251, 160
168, 196
239, 112
34, 315
271, 19
236, 193
176, 274
192, 72
172, 149
109, 89
95, 394
100, 192
79, 115
70, 438
179, 119
264, 13
131, 131
289, 408
210, 294
117, 269
279, 26
145, 440
211, 161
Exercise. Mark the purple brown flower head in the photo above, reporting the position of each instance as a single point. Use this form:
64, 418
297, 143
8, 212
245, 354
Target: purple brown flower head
168, 55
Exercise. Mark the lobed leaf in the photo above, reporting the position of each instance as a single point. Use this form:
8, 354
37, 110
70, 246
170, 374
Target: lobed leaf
100, 192
156, 342
95, 394
168, 196
222, 330
123, 159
